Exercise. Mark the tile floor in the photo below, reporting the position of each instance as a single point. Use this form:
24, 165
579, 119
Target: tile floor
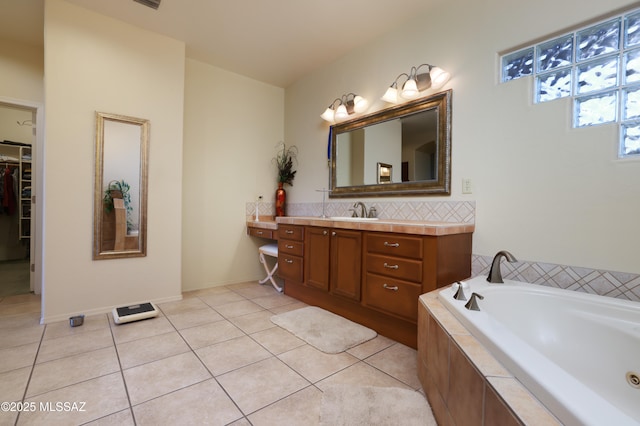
212, 358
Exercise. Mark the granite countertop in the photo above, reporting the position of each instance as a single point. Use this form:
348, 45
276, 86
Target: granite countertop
415, 227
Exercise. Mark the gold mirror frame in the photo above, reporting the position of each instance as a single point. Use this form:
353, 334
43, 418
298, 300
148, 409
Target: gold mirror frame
441, 104
126, 139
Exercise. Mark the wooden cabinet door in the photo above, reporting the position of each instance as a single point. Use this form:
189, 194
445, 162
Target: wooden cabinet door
346, 263
316, 257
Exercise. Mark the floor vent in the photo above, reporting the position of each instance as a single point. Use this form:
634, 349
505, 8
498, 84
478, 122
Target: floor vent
154, 4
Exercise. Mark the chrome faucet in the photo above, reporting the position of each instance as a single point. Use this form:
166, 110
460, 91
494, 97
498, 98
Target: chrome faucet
495, 276
363, 208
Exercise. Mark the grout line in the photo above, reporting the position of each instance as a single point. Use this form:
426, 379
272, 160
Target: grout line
33, 366
124, 381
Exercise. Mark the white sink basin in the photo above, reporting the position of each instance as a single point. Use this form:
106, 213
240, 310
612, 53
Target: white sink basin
353, 219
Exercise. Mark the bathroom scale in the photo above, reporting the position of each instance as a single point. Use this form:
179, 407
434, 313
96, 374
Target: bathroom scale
134, 313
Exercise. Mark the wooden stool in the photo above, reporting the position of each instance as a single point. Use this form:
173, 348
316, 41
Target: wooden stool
269, 250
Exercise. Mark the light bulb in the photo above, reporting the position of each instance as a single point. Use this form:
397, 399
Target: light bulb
360, 104
410, 89
341, 113
391, 96
439, 77
328, 115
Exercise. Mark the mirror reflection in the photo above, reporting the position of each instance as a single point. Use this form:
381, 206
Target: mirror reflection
405, 150
120, 186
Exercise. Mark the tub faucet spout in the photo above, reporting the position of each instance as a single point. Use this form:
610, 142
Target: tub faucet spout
495, 276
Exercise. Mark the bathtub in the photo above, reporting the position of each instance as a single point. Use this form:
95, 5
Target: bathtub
578, 353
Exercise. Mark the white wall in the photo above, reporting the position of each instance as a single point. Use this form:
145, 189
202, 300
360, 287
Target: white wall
22, 68
232, 127
544, 191
94, 63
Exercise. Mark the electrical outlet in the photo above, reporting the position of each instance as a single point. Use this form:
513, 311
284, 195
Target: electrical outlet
466, 186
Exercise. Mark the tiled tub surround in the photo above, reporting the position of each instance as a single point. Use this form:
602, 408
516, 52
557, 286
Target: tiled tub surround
464, 383
601, 282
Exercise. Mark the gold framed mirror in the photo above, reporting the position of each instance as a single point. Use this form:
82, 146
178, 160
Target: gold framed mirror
120, 190
412, 139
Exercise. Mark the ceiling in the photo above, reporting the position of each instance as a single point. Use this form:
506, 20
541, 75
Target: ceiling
275, 41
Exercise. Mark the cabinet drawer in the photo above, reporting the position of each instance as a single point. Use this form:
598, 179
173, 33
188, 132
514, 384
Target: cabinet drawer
291, 232
295, 248
396, 267
394, 296
262, 233
395, 245
290, 267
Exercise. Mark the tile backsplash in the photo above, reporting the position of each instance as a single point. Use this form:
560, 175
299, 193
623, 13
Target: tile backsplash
605, 283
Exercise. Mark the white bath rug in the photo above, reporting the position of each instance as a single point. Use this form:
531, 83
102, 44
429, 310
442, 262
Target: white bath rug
324, 330
344, 405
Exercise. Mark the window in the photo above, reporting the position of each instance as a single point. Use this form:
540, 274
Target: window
597, 66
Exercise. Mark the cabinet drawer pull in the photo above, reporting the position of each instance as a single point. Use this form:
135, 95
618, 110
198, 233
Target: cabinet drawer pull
288, 260
288, 231
288, 246
324, 232
386, 265
388, 287
259, 232
388, 244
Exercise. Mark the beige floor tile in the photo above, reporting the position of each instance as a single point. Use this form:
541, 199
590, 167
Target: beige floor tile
20, 308
206, 291
20, 320
18, 357
254, 322
256, 290
258, 385
204, 403
151, 349
181, 306
399, 361
77, 368
221, 298
195, 317
315, 365
241, 422
101, 396
8, 418
210, 334
121, 418
157, 378
75, 344
19, 336
361, 374
140, 329
236, 309
371, 347
301, 408
277, 340
232, 354
286, 308
13, 383
273, 301
62, 328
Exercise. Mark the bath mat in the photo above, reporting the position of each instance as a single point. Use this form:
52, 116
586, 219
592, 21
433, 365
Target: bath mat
324, 330
344, 405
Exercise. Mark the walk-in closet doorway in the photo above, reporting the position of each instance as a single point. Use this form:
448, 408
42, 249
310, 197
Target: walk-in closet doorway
19, 140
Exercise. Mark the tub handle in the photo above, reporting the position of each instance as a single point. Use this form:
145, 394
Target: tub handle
472, 304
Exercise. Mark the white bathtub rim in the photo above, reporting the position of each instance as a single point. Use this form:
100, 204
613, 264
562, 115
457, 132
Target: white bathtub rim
567, 398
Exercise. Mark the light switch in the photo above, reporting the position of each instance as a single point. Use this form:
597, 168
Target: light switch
466, 186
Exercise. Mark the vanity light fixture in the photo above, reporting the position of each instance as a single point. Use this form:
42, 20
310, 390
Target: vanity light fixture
346, 105
416, 82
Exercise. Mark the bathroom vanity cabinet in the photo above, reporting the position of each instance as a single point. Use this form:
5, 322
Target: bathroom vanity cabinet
332, 261
372, 274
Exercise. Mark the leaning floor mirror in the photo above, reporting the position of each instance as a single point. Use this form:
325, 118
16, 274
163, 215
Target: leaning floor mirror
120, 194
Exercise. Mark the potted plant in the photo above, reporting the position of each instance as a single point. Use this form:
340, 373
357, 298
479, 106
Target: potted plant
118, 189
284, 162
